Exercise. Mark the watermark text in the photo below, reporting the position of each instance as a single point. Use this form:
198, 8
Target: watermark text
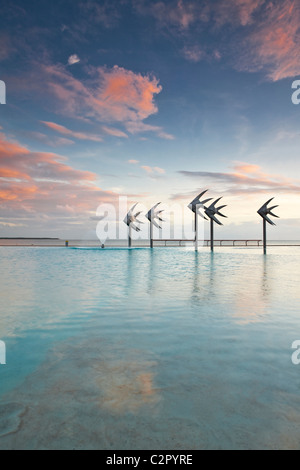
296, 354
178, 222
2, 353
296, 94
2, 92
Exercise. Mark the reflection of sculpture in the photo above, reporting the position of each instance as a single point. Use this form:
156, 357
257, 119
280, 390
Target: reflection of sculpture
131, 219
151, 216
264, 211
211, 212
195, 207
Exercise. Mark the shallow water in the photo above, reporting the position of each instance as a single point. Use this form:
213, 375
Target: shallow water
140, 349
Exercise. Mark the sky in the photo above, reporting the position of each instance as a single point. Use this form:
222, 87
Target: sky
152, 101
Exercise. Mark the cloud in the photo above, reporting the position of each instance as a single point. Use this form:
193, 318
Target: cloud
6, 47
77, 135
270, 40
245, 179
73, 59
41, 184
109, 95
106, 14
275, 43
194, 53
126, 95
179, 14
19, 163
182, 16
153, 170
114, 132
148, 169
141, 127
239, 12
133, 162
51, 142
259, 35
247, 168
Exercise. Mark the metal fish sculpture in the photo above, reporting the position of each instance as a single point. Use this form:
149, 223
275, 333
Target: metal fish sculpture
131, 220
264, 211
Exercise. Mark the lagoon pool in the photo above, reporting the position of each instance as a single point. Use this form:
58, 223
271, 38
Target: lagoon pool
139, 349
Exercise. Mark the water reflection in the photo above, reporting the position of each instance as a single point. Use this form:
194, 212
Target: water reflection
242, 287
152, 266
253, 292
203, 278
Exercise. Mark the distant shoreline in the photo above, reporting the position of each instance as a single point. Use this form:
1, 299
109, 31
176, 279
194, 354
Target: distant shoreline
28, 238
44, 242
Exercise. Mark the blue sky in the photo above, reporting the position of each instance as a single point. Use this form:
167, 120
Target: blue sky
150, 100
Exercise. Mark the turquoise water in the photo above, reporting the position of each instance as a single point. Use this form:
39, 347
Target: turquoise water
133, 349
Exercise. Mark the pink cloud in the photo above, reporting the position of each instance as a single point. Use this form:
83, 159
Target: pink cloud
45, 139
272, 43
236, 11
6, 47
38, 182
112, 95
77, 135
153, 170
247, 8
276, 43
126, 95
180, 14
140, 127
247, 168
184, 15
114, 132
161, 171
194, 53
19, 163
269, 39
109, 95
245, 179
148, 169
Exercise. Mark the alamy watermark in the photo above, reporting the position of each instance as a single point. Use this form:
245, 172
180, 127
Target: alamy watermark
176, 222
2, 92
296, 93
296, 354
2, 353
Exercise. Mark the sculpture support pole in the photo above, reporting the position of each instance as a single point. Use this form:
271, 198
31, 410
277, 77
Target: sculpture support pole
129, 237
196, 232
151, 235
211, 235
265, 236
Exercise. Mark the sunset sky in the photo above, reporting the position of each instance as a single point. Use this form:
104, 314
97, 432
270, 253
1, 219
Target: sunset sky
154, 100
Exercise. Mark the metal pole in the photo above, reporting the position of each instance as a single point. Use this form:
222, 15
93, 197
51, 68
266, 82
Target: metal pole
196, 231
265, 236
211, 235
151, 235
129, 237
